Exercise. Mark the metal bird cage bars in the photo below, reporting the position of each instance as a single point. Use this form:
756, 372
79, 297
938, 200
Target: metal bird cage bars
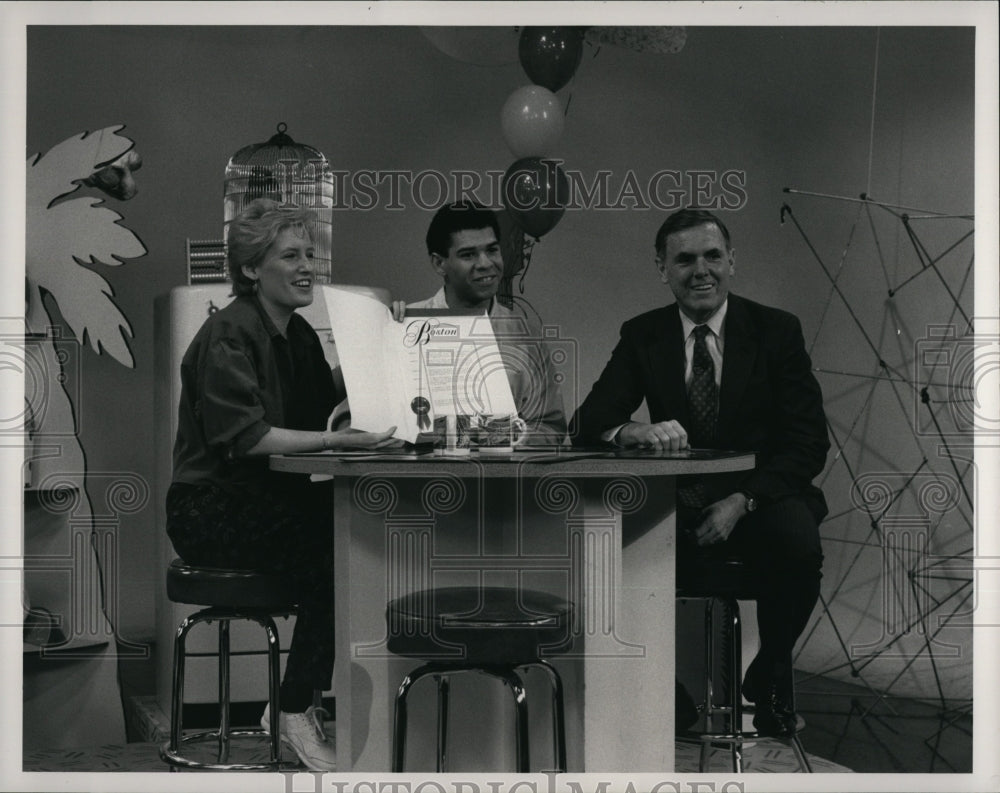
289, 172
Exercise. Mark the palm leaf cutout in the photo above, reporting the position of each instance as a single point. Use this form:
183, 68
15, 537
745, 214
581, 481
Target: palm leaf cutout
62, 236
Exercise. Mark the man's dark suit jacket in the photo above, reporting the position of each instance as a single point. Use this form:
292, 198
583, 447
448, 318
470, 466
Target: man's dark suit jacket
769, 400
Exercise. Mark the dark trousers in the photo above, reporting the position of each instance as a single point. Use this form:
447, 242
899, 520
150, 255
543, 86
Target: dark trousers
780, 543
284, 528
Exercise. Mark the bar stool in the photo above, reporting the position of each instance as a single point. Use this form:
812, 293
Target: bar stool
229, 595
491, 630
721, 582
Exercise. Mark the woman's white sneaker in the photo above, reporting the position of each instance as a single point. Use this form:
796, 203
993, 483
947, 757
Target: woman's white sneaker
305, 734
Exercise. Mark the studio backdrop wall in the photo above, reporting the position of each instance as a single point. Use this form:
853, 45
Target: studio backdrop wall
734, 117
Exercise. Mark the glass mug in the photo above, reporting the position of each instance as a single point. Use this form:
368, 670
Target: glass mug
487, 434
498, 434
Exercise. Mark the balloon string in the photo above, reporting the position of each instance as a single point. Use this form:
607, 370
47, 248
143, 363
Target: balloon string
526, 260
523, 302
572, 80
871, 132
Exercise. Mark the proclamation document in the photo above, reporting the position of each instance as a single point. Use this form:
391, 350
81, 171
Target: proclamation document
405, 374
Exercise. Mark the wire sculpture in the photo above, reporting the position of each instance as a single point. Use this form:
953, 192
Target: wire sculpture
926, 568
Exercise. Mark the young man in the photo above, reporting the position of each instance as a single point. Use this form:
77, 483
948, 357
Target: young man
463, 242
719, 371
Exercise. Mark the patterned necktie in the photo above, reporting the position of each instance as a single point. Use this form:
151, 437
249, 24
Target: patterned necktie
703, 401
703, 394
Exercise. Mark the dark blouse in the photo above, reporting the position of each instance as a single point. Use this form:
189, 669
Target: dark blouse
239, 378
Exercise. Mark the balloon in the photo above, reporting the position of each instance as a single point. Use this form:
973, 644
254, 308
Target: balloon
532, 121
481, 46
535, 192
550, 56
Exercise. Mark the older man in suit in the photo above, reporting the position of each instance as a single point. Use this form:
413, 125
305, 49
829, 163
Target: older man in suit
720, 371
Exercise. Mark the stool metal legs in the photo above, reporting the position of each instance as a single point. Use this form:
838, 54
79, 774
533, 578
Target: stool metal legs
171, 751
399, 725
508, 675
442, 731
558, 718
523, 747
440, 673
732, 734
800, 754
177, 700
273, 687
224, 691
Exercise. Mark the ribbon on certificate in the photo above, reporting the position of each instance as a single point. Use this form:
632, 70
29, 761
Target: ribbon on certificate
421, 407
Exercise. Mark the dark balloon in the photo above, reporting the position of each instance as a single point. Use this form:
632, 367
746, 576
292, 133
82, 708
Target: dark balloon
535, 192
550, 56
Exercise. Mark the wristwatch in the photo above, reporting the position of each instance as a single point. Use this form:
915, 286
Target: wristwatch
751, 501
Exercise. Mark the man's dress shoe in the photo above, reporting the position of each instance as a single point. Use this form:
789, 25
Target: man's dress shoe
775, 714
772, 693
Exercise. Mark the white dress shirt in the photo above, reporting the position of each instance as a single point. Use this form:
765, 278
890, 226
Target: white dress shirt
715, 341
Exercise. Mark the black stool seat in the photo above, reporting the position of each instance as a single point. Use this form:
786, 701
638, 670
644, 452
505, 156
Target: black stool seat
244, 589
709, 575
477, 625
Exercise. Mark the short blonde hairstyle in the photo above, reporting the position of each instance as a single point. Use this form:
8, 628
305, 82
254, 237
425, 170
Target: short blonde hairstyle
254, 230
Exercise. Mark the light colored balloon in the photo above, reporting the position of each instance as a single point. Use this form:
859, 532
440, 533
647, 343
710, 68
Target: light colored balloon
532, 121
482, 46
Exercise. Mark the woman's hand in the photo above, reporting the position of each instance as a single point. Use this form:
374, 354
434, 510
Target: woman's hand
398, 310
278, 440
357, 439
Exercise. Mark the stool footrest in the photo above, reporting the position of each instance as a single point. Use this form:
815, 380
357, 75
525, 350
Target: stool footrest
175, 758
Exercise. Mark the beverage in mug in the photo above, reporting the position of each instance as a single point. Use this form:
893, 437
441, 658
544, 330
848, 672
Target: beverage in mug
458, 435
454, 436
498, 434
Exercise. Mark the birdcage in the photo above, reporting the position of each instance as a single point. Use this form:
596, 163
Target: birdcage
289, 172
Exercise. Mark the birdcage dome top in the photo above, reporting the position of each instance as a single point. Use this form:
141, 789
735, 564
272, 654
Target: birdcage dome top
279, 147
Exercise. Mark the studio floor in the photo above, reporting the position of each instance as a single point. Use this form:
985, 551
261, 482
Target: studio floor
847, 730
847, 724
766, 757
